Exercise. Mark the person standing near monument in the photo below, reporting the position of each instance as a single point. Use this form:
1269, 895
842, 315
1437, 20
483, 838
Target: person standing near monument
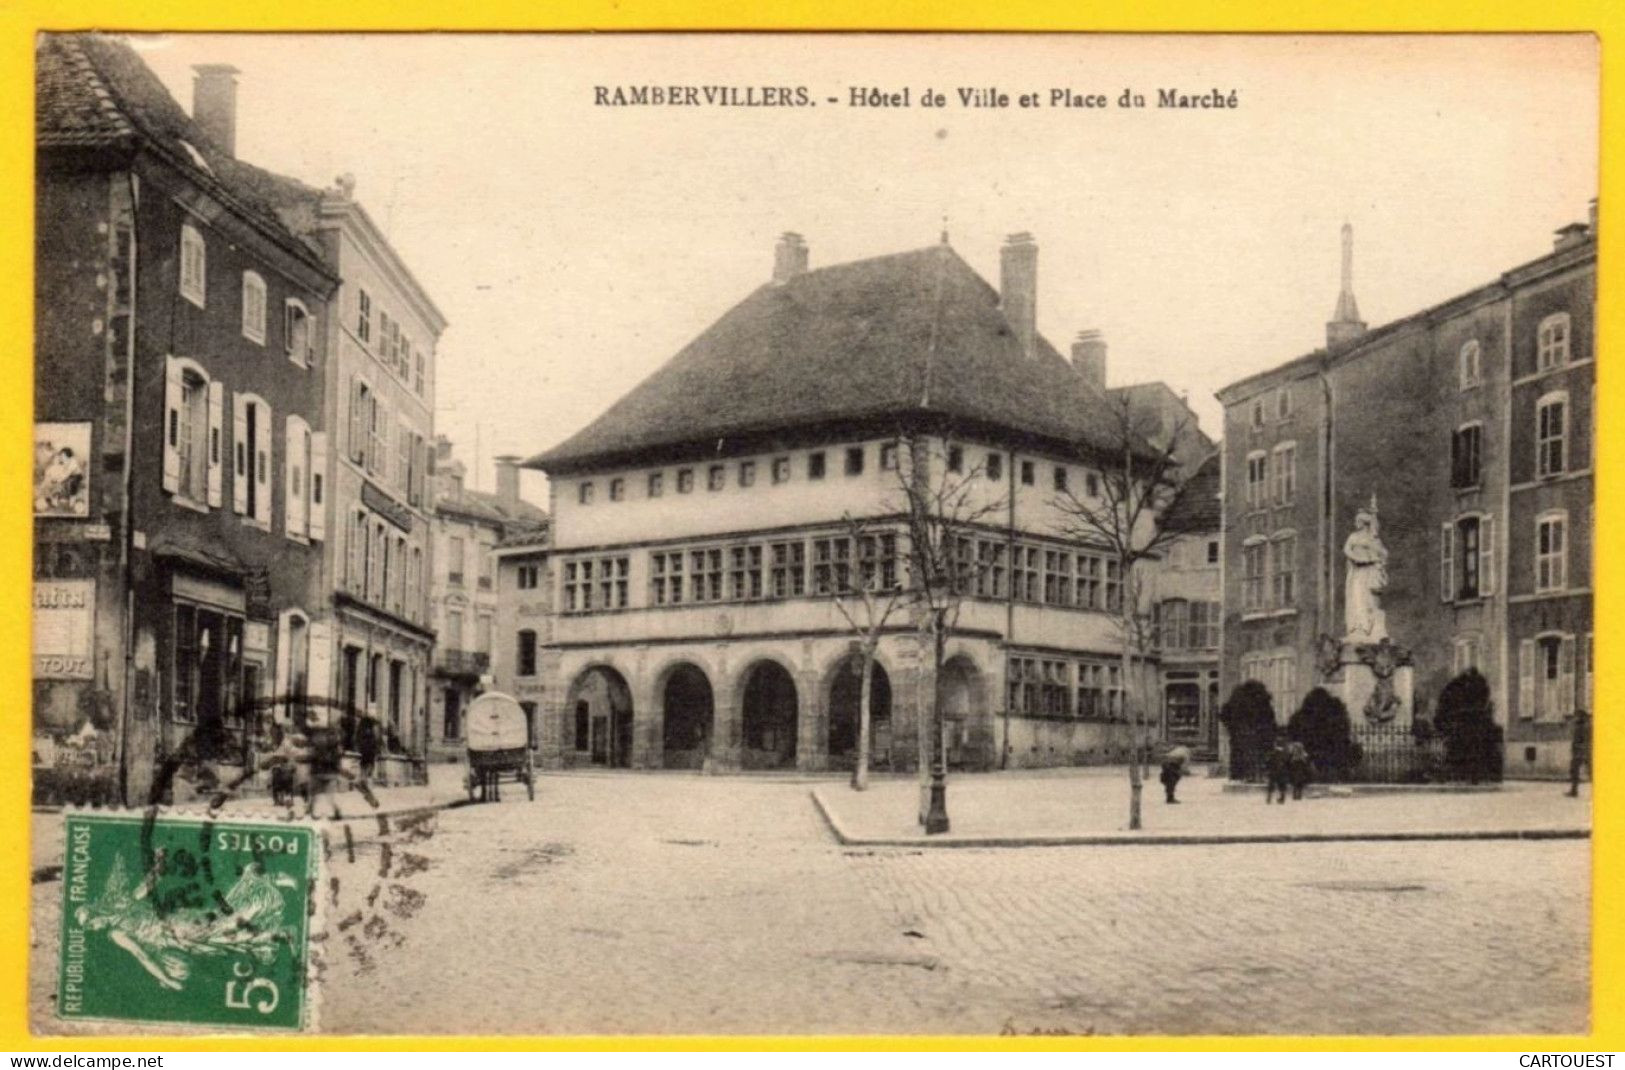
1580, 752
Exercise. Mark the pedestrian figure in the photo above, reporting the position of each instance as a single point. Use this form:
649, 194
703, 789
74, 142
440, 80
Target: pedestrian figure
1580, 752
1173, 767
1276, 766
1299, 770
366, 745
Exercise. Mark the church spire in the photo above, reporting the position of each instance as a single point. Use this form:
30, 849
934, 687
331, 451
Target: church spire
1346, 324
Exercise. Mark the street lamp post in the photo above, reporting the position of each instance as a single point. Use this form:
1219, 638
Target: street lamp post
936, 813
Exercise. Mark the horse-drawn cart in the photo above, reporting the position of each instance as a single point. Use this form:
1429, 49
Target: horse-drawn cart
498, 746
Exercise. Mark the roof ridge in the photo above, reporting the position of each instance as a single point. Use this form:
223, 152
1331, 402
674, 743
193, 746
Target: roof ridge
106, 96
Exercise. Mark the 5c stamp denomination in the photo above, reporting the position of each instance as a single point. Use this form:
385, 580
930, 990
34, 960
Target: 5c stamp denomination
187, 920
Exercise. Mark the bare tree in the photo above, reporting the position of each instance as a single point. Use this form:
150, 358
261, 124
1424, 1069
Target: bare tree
1124, 521
867, 602
944, 503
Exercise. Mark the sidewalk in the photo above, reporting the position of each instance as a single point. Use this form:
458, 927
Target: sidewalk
1090, 806
445, 788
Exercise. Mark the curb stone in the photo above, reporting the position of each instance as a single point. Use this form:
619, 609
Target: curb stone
1183, 839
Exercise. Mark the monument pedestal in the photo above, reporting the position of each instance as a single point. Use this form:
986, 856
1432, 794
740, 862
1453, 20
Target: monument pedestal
1375, 681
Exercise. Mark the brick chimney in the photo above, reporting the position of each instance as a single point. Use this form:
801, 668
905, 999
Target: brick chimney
214, 104
1089, 358
789, 257
1018, 289
508, 479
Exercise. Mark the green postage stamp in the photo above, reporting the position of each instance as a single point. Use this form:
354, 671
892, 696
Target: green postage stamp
188, 920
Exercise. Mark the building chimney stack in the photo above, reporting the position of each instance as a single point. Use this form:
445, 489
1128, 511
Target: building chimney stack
1346, 325
789, 257
214, 104
1018, 289
508, 479
1089, 358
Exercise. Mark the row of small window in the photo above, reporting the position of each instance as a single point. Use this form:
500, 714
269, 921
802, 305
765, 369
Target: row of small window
1086, 690
1269, 573
1548, 676
381, 568
716, 475
1272, 476
1187, 625
456, 551
1467, 555
779, 469
298, 325
1050, 577
386, 446
394, 348
1552, 350
1552, 454
196, 453
1277, 406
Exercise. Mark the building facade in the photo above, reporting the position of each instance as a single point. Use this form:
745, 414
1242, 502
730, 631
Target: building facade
525, 661
179, 365
699, 532
373, 639
1187, 595
1484, 505
464, 593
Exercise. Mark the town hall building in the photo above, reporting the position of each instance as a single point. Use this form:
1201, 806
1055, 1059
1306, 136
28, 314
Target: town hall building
698, 531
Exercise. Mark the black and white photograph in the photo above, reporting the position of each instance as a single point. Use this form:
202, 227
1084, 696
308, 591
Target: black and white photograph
819, 534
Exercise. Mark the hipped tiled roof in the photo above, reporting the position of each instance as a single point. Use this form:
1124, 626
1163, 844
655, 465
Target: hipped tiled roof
1195, 509
911, 334
94, 91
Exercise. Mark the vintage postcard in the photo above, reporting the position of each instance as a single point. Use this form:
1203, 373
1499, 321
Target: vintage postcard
826, 534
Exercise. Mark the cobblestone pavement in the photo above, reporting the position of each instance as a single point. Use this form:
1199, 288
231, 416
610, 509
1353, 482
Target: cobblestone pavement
683, 904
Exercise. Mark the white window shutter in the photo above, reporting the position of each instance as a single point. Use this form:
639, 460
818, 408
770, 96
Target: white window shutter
316, 484
172, 422
1565, 678
353, 534
1526, 679
354, 443
295, 456
217, 445
1486, 555
284, 647
320, 641
262, 466
1447, 562
239, 452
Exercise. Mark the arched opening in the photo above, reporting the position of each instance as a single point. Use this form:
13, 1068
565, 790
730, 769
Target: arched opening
845, 693
602, 704
769, 708
688, 718
961, 690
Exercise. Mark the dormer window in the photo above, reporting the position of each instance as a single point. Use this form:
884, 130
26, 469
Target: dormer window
253, 307
194, 258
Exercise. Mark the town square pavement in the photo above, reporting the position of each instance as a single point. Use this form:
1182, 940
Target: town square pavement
674, 903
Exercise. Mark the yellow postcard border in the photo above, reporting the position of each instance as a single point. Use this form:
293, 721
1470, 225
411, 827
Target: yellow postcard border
19, 21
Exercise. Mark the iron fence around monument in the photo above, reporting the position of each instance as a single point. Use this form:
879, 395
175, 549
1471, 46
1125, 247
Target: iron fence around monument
1394, 754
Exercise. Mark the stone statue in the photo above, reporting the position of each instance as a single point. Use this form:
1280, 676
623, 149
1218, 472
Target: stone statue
1367, 578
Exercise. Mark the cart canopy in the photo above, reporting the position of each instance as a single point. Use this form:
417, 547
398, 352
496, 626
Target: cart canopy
495, 722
